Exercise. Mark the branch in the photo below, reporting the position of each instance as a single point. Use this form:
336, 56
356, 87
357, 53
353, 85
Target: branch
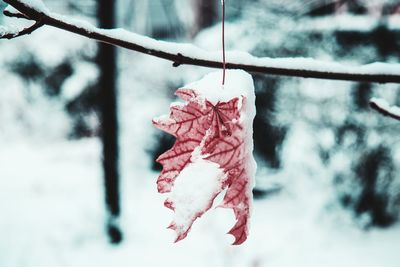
13, 13
10, 33
384, 108
188, 54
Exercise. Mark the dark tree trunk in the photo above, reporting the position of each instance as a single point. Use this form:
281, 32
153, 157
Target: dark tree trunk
107, 60
206, 13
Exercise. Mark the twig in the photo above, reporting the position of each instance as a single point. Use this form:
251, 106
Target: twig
17, 15
384, 108
25, 31
181, 54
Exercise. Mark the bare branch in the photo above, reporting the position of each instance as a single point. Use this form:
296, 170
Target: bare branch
181, 54
384, 108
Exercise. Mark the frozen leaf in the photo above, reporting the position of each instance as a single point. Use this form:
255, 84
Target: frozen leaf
212, 152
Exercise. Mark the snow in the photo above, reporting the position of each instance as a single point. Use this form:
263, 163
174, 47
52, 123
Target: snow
237, 83
57, 216
194, 187
10, 29
384, 105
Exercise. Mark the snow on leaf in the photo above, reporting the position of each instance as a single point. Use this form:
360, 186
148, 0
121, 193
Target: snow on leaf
211, 153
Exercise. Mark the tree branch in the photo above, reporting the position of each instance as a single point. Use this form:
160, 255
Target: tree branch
188, 54
11, 34
384, 108
12, 14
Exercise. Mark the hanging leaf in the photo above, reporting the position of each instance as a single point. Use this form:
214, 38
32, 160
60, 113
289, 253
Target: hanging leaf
212, 152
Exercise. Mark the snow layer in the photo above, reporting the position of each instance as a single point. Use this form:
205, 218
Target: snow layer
9, 30
237, 83
193, 189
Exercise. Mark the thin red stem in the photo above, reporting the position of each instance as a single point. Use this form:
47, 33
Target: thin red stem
223, 42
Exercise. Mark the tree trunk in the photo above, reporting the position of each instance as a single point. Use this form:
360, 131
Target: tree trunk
107, 60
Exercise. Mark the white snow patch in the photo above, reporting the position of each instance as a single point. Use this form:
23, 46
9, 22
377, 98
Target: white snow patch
11, 29
176, 104
193, 189
237, 83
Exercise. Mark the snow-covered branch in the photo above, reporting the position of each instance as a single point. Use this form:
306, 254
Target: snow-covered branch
384, 108
13, 32
188, 54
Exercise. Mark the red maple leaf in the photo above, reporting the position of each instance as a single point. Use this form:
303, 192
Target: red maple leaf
214, 133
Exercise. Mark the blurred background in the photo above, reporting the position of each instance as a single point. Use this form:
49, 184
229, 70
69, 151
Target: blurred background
77, 171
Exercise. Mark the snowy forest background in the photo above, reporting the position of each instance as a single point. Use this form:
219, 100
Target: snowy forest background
328, 180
